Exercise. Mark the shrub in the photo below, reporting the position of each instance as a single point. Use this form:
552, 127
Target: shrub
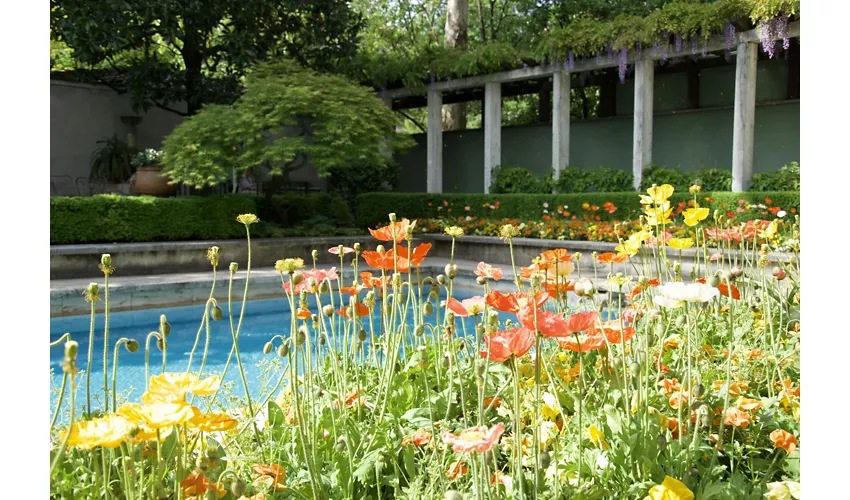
112, 218
714, 179
786, 178
516, 180
657, 174
373, 208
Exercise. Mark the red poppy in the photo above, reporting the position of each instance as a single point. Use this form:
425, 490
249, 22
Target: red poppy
549, 324
615, 335
583, 342
456, 469
386, 260
345, 250
361, 310
269, 476
472, 306
372, 282
507, 343
612, 258
724, 289
395, 231
511, 302
639, 288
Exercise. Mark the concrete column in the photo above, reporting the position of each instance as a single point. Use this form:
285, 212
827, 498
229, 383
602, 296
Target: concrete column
642, 146
492, 130
560, 122
435, 142
745, 109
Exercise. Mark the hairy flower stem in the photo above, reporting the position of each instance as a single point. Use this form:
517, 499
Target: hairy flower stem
61, 451
204, 320
59, 401
517, 444
88, 364
115, 375
105, 343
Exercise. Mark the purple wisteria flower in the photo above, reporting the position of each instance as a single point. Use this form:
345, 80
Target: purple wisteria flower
782, 30
729, 35
767, 35
638, 49
571, 62
679, 43
623, 64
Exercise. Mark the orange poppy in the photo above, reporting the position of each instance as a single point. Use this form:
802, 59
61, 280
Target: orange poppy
747, 404
420, 438
669, 386
456, 469
472, 306
511, 302
673, 426
415, 256
736, 417
303, 313
495, 401
784, 439
612, 258
614, 333
197, 485
372, 282
394, 231
507, 343
677, 399
487, 271
351, 400
639, 288
560, 287
270, 476
724, 289
362, 310
582, 342
386, 260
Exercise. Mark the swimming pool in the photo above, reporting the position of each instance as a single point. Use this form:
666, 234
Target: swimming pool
263, 319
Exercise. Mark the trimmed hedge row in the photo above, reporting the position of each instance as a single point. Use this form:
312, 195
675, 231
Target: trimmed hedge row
112, 218
373, 208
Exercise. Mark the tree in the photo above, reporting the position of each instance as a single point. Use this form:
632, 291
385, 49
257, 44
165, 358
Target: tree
288, 117
197, 51
457, 33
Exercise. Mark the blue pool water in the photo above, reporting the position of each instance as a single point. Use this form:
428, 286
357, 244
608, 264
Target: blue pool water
263, 319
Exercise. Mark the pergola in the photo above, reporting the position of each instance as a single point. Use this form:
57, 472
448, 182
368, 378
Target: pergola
746, 50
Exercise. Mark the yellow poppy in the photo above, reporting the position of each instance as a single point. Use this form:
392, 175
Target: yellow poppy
694, 216
597, 437
212, 422
657, 195
680, 243
629, 247
161, 415
107, 432
658, 215
551, 408
670, 489
145, 433
131, 412
176, 385
769, 231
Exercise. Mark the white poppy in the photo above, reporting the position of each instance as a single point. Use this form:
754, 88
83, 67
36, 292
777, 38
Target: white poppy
676, 293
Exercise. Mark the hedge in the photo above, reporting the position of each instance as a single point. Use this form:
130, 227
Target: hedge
113, 218
373, 208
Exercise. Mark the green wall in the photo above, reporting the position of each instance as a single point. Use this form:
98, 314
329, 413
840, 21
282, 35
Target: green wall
687, 139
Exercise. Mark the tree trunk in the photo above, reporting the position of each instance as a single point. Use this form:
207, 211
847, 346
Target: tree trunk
457, 31
193, 58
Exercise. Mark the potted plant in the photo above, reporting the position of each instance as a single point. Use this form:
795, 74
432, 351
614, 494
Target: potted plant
148, 179
112, 163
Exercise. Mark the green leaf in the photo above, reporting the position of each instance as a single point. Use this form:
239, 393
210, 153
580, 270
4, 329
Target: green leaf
612, 416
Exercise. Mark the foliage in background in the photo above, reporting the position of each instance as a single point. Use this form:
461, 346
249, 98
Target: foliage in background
349, 181
718, 179
507, 179
288, 114
372, 208
598, 180
786, 178
119, 219
169, 52
112, 161
659, 175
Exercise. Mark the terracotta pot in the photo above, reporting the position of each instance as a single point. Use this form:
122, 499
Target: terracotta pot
150, 182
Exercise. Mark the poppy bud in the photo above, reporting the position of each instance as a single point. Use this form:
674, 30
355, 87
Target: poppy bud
216, 313
660, 329
441, 279
315, 254
588, 287
301, 336
779, 273
481, 280
160, 344
493, 318
653, 314
132, 345
324, 287
267, 348
328, 310
392, 217
447, 360
545, 459
677, 267
380, 249
237, 487
480, 329
428, 309
450, 316
662, 442
361, 335
453, 495
680, 322
480, 368
451, 271
578, 288
340, 445
283, 350
322, 340
713, 281
419, 330
164, 327
434, 290
357, 247
634, 368
699, 391
736, 272
72, 347
296, 278
202, 463
233, 267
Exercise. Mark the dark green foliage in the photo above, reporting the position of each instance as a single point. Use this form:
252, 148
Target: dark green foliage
112, 218
713, 179
657, 174
598, 180
373, 208
786, 178
351, 180
516, 180
111, 161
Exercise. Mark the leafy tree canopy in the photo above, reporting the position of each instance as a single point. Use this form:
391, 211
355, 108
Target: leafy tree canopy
288, 114
196, 51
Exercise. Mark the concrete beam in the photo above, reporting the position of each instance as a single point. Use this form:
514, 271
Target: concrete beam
586, 64
492, 131
642, 145
743, 131
435, 142
560, 122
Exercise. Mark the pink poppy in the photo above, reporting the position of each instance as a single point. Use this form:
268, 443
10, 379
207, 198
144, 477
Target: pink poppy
653, 241
480, 439
507, 343
487, 271
715, 257
472, 306
629, 315
345, 250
